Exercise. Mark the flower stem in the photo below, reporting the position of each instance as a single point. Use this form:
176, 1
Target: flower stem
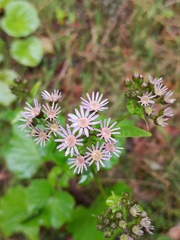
98, 183
123, 117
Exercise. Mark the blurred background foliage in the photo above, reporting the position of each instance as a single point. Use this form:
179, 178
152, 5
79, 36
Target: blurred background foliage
81, 46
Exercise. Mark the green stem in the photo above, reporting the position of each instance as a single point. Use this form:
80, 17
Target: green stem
98, 183
123, 117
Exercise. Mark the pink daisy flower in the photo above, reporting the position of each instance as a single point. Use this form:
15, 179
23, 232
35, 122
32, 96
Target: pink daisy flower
106, 131
154, 81
111, 148
82, 121
69, 141
167, 97
51, 111
53, 97
168, 112
79, 162
41, 136
97, 154
27, 121
146, 223
145, 100
137, 230
94, 102
53, 127
162, 121
33, 111
159, 89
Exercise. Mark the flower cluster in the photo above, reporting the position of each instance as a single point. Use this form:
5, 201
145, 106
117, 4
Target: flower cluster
85, 138
151, 95
126, 215
40, 120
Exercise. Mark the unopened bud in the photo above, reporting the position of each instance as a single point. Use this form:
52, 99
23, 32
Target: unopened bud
127, 82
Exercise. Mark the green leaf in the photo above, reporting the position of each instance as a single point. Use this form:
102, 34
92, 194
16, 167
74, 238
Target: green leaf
59, 207
12, 210
28, 52
128, 130
164, 238
35, 89
22, 157
3, 3
30, 229
37, 194
86, 177
20, 20
6, 78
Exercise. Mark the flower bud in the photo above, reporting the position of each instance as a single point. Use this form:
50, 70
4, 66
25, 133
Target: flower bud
127, 94
127, 82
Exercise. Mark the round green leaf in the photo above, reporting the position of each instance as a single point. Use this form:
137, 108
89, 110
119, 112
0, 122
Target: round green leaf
28, 52
22, 157
20, 20
6, 79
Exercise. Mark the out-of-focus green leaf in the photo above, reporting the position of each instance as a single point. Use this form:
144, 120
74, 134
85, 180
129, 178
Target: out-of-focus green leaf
28, 52
59, 207
13, 210
35, 89
86, 177
164, 238
37, 194
20, 20
3, 3
30, 229
6, 78
128, 130
22, 157
6, 97
2, 48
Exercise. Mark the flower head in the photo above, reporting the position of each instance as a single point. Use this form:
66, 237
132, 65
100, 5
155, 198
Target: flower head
149, 110
154, 81
111, 148
27, 121
167, 97
97, 154
68, 141
33, 111
145, 100
146, 223
159, 89
135, 211
41, 136
94, 102
125, 237
53, 127
53, 97
51, 111
82, 121
79, 162
137, 230
162, 121
168, 112
122, 224
106, 131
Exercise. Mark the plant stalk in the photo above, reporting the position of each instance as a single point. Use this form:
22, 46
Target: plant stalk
98, 183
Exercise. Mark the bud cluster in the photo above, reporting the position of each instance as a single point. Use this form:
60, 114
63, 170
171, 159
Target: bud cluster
127, 216
85, 138
152, 96
19, 88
